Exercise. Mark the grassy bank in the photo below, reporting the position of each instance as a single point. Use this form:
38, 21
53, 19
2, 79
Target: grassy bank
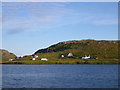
66, 61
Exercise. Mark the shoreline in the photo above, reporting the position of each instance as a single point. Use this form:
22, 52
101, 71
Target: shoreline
63, 62
59, 64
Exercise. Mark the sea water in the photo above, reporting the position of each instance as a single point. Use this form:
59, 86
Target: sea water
59, 76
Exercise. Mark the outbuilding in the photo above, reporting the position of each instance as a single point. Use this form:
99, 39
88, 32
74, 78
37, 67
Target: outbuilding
62, 56
33, 59
70, 55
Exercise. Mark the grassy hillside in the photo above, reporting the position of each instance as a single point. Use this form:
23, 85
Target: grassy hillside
100, 49
5, 55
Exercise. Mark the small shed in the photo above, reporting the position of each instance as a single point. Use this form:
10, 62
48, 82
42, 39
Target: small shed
70, 55
62, 56
33, 58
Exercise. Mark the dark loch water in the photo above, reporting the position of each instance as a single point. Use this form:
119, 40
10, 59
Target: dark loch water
60, 76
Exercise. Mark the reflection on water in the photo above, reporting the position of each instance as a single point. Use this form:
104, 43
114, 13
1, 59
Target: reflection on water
60, 76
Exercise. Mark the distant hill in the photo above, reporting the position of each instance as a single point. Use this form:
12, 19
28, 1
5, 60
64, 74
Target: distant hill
96, 48
6, 55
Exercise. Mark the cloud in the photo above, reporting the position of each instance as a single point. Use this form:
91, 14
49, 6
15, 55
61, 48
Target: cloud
16, 30
19, 17
29, 15
16, 26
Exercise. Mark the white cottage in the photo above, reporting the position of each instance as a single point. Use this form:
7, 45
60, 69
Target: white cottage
86, 57
34, 56
44, 59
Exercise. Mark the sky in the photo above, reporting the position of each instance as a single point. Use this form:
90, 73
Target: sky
30, 26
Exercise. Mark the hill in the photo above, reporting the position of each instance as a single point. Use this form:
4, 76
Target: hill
6, 55
101, 49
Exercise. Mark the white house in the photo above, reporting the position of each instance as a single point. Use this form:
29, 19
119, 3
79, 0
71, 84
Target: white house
36, 56
33, 58
70, 55
44, 59
86, 57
